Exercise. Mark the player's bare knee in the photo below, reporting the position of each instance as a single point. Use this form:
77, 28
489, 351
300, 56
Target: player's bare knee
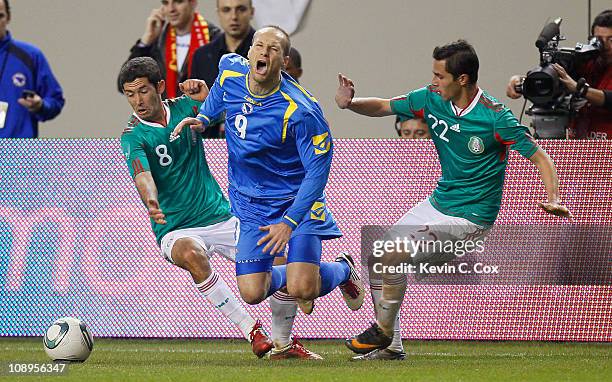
252, 296
302, 290
253, 287
192, 258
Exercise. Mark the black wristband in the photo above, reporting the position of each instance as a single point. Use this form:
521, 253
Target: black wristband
581, 88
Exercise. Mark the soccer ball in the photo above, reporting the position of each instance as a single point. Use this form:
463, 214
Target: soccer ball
68, 339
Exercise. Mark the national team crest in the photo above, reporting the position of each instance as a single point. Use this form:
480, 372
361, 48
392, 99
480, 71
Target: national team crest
476, 145
247, 108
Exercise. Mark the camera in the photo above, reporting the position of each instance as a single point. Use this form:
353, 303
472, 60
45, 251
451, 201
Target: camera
553, 105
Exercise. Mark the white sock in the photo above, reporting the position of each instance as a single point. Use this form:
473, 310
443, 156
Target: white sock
376, 291
284, 308
221, 296
387, 309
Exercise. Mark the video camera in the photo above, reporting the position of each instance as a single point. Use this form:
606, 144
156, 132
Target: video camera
552, 103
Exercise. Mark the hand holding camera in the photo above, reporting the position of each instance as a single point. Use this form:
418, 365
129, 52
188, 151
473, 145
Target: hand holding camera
567, 81
513, 90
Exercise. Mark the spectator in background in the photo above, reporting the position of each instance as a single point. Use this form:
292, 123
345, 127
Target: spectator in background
413, 128
173, 33
235, 19
592, 121
28, 90
294, 67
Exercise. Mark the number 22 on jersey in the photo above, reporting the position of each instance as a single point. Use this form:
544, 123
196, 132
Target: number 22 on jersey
441, 122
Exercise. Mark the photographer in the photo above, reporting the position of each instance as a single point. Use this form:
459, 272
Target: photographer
594, 96
594, 121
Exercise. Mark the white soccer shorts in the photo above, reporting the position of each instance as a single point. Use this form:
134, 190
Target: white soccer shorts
425, 222
220, 238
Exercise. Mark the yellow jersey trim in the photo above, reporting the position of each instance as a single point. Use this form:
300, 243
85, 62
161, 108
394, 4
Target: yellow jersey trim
290, 110
291, 220
229, 74
304, 91
203, 116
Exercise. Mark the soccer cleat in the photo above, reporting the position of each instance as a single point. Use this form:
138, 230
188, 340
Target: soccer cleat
260, 342
353, 290
371, 339
381, 354
294, 350
306, 306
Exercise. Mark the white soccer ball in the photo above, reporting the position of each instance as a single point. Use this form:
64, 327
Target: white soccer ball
68, 339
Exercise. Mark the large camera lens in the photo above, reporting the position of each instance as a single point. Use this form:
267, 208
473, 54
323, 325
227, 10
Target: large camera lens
541, 85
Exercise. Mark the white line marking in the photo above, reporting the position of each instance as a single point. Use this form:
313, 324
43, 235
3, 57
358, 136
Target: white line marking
345, 352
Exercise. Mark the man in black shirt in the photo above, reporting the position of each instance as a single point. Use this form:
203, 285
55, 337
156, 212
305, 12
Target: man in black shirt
172, 34
235, 18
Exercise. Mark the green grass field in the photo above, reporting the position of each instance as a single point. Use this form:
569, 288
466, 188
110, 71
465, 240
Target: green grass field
225, 360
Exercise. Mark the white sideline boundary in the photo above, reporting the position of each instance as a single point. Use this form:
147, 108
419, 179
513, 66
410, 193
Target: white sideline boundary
342, 351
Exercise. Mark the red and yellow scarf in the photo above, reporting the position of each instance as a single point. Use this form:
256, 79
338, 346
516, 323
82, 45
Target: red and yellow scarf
199, 37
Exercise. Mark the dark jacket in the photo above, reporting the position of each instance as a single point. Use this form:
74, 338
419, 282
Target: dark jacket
205, 61
24, 67
157, 52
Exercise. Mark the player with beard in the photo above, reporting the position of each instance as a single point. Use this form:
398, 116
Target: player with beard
189, 215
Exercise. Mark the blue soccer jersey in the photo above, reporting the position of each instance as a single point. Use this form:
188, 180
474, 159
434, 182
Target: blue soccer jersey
280, 150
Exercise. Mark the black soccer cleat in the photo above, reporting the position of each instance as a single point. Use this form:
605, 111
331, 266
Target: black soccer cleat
381, 354
371, 339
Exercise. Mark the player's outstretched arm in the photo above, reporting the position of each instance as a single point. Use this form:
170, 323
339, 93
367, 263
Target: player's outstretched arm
548, 173
372, 107
194, 89
192, 122
148, 193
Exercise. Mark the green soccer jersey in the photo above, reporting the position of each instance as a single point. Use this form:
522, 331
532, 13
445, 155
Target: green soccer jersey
472, 146
188, 194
